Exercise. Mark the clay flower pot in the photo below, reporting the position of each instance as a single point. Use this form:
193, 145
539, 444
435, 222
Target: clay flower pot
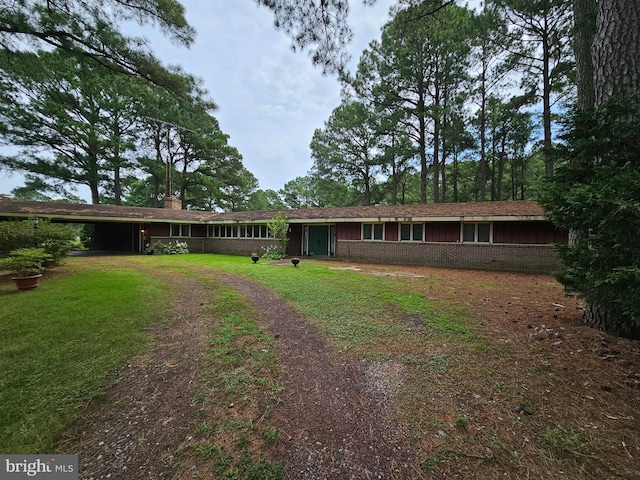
27, 283
26, 266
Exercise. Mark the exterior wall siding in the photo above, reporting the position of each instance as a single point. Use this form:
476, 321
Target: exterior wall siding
158, 229
518, 258
442, 232
349, 231
527, 232
294, 247
198, 230
391, 231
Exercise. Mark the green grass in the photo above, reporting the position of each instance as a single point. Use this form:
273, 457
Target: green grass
353, 309
59, 343
565, 444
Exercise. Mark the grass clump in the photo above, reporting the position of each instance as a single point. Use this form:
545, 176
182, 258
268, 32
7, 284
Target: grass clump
565, 443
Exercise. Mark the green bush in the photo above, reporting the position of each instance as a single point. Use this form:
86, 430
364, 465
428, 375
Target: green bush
595, 194
279, 228
56, 239
24, 262
273, 252
160, 248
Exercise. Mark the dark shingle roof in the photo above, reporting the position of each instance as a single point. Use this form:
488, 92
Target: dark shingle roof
84, 211
441, 211
433, 211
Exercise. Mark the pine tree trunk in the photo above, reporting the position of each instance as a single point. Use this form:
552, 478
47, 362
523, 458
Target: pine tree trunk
616, 49
546, 107
584, 15
483, 132
597, 317
613, 39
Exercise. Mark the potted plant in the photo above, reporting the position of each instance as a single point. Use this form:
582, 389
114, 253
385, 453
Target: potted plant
255, 257
26, 266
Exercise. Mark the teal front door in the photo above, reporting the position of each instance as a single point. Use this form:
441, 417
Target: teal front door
318, 240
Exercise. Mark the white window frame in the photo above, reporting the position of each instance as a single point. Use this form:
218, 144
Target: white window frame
225, 230
373, 232
412, 227
476, 232
181, 227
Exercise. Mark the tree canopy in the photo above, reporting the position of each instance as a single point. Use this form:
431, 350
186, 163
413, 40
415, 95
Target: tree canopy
90, 29
83, 104
444, 116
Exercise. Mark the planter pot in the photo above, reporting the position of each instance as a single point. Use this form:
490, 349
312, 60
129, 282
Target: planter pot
27, 283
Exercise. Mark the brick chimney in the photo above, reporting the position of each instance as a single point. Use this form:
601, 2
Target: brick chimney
172, 203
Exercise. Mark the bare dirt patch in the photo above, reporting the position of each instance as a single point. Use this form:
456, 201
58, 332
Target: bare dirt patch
549, 396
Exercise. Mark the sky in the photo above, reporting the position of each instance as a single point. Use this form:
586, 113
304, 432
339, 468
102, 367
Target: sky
270, 99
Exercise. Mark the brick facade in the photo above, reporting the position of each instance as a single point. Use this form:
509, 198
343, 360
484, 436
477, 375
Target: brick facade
502, 257
499, 257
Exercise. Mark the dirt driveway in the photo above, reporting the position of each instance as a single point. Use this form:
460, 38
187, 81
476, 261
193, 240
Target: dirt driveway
336, 418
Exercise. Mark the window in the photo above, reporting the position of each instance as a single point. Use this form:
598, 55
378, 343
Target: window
411, 232
469, 232
372, 231
180, 230
476, 232
239, 231
484, 232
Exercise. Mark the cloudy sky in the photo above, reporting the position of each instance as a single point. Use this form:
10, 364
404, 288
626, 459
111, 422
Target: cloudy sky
270, 99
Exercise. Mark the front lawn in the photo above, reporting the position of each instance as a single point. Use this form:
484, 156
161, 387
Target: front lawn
501, 379
61, 344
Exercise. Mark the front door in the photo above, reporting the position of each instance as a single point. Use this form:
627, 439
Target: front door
318, 240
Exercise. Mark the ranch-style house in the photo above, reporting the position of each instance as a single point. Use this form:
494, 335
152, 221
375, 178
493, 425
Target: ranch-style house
507, 236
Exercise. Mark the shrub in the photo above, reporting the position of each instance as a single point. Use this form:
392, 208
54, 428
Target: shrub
56, 239
160, 248
273, 252
279, 227
24, 262
595, 195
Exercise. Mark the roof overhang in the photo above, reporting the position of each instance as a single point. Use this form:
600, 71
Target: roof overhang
83, 213
493, 218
